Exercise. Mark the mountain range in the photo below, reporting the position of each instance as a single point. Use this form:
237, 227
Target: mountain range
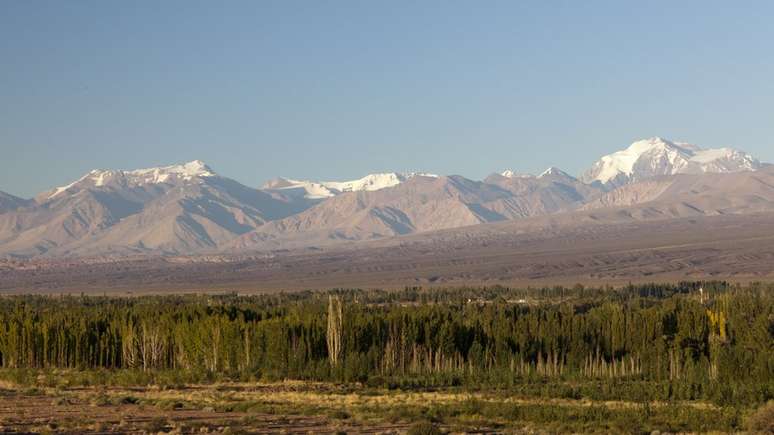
190, 209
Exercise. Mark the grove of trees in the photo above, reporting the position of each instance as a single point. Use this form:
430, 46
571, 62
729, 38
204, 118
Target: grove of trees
642, 342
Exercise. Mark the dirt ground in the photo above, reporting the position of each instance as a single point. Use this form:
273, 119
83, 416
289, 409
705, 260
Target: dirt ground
290, 407
82, 412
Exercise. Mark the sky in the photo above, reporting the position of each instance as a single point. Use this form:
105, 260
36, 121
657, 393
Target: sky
339, 89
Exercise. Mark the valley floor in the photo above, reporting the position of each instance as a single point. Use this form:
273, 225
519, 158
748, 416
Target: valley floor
734, 248
309, 407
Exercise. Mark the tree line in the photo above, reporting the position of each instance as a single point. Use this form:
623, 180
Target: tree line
686, 340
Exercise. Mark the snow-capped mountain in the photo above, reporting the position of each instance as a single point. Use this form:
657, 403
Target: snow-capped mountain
187, 172
327, 189
170, 209
188, 208
657, 156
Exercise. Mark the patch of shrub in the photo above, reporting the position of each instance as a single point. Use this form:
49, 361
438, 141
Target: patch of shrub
156, 425
762, 420
424, 428
340, 414
128, 400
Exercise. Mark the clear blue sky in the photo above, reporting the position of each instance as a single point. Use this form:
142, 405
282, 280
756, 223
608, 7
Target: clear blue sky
338, 89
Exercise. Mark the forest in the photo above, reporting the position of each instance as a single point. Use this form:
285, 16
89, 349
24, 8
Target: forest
693, 340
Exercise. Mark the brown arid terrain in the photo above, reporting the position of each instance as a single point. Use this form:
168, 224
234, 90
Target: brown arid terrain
603, 247
190, 409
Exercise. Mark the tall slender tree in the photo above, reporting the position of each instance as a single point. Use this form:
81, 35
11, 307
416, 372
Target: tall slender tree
335, 330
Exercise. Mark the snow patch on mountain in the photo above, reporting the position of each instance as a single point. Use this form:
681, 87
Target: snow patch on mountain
553, 171
327, 189
98, 177
187, 172
508, 173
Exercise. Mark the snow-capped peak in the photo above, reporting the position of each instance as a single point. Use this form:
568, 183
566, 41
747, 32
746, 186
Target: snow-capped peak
508, 173
99, 177
657, 156
553, 171
327, 189
186, 171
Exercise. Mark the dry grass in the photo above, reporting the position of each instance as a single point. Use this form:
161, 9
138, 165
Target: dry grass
319, 407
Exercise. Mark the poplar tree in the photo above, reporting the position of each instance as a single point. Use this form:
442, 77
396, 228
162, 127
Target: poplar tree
335, 330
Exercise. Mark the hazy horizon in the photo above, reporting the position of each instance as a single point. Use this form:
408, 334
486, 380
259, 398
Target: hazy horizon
338, 90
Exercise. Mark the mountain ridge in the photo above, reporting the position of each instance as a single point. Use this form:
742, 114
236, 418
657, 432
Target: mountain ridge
173, 209
189, 208
10, 202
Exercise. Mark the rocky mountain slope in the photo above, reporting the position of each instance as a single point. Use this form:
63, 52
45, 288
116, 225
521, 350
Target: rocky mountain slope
694, 194
420, 204
552, 191
9, 202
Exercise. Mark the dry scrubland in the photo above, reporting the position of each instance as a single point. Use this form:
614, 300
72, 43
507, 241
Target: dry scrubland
311, 407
